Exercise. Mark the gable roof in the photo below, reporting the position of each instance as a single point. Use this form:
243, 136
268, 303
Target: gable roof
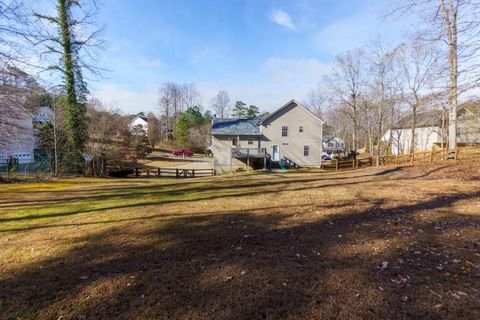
432, 118
287, 105
139, 117
471, 107
7, 105
243, 127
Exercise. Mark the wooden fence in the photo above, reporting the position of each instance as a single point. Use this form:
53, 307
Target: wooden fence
174, 172
459, 153
337, 164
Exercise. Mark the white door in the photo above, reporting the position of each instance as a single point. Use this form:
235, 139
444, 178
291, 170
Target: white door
275, 153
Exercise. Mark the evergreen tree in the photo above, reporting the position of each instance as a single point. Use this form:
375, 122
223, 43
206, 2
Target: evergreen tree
239, 110
191, 118
252, 112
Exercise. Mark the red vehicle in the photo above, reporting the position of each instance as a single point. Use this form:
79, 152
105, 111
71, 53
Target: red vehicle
182, 152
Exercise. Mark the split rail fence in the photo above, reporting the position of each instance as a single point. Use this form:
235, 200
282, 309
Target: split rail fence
174, 172
459, 153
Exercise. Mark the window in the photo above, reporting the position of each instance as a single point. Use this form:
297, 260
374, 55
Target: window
300, 128
284, 131
234, 141
306, 150
250, 141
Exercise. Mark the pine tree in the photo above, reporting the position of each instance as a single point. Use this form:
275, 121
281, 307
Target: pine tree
239, 110
252, 112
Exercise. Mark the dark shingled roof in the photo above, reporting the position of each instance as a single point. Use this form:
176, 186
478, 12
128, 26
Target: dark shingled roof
241, 127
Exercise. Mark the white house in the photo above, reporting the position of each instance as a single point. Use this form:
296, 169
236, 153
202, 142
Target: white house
18, 139
333, 145
429, 132
138, 121
43, 115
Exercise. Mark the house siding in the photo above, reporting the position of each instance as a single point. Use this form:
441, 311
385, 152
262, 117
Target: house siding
401, 139
20, 146
221, 149
292, 146
468, 127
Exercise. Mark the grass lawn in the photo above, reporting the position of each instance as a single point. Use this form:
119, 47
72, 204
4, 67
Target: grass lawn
377, 243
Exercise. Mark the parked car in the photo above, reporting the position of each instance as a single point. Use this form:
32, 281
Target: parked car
326, 156
182, 152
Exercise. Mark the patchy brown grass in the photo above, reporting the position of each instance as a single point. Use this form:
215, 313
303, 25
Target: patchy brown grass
388, 243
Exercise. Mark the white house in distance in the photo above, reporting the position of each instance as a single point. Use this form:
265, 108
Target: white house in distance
428, 132
138, 121
292, 135
43, 115
19, 142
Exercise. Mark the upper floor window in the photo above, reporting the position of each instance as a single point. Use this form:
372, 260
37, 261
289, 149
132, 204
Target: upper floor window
300, 128
250, 141
284, 131
306, 150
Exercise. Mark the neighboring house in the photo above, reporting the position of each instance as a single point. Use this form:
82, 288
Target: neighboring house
43, 115
138, 121
333, 146
292, 135
429, 130
18, 139
468, 124
427, 133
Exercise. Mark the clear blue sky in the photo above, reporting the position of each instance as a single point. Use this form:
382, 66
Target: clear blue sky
263, 52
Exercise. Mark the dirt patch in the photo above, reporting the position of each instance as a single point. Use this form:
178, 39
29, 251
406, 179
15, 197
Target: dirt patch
461, 170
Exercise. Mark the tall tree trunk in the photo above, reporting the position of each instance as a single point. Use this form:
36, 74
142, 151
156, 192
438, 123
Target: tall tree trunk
355, 122
74, 113
450, 22
414, 127
55, 143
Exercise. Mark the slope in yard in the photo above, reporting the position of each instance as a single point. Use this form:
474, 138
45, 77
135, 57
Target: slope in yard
386, 242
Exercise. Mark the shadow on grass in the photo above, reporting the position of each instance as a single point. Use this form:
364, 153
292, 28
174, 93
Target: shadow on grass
263, 265
183, 196
225, 189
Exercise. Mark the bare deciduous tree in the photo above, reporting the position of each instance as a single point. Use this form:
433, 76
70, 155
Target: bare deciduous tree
14, 23
454, 23
347, 82
420, 69
383, 89
318, 100
153, 132
174, 99
221, 104
53, 137
105, 127
190, 96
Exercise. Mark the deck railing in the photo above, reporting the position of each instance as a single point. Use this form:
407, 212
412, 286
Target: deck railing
249, 152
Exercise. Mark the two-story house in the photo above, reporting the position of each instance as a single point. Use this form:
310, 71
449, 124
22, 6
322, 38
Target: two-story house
291, 135
17, 134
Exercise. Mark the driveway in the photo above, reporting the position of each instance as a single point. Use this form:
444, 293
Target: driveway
193, 163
